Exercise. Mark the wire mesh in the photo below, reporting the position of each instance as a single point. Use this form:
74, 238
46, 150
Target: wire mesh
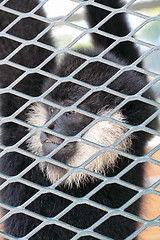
109, 212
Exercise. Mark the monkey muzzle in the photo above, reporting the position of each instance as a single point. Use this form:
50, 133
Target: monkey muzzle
49, 142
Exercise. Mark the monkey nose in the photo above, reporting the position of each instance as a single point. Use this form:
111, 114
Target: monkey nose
44, 138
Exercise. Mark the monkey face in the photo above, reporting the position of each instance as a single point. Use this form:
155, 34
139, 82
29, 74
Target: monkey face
76, 145
68, 124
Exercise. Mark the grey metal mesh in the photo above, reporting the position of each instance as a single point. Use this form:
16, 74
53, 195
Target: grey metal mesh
143, 127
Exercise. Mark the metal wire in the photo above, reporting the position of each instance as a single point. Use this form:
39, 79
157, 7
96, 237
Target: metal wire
143, 127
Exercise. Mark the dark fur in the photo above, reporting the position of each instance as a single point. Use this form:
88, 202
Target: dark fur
115, 26
12, 163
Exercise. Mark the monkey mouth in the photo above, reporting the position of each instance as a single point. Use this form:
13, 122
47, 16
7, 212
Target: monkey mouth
52, 140
46, 141
49, 143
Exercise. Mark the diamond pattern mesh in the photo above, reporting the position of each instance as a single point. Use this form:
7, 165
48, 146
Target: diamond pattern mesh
49, 52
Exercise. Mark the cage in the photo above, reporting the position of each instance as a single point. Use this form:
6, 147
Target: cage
31, 44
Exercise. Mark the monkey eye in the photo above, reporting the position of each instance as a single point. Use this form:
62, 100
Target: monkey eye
72, 112
51, 111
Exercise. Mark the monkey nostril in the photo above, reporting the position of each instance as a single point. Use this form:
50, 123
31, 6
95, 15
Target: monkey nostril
51, 127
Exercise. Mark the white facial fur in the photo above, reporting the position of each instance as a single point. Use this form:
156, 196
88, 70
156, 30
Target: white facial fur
103, 133
37, 116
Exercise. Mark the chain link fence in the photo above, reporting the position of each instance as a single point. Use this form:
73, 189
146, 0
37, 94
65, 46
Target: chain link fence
28, 100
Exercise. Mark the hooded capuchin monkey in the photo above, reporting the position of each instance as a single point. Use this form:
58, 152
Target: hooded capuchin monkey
76, 127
